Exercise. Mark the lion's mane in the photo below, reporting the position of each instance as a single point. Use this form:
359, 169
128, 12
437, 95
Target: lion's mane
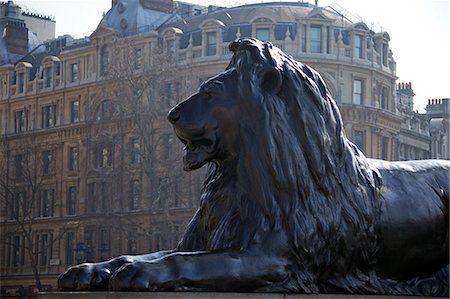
296, 171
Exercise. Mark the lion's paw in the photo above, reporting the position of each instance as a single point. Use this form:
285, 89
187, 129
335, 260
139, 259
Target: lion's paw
88, 276
138, 276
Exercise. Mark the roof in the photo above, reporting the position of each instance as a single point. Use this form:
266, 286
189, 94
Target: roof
131, 17
7, 57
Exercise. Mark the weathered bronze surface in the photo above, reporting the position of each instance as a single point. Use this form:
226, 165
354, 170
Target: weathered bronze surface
290, 204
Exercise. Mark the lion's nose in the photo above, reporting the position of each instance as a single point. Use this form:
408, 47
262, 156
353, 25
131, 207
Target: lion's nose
173, 116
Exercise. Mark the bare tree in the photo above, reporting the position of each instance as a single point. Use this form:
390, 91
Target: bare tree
26, 197
143, 83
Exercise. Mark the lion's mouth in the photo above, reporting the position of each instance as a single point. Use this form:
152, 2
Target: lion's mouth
197, 151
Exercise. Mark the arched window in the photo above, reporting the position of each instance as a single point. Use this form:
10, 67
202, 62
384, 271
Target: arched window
104, 60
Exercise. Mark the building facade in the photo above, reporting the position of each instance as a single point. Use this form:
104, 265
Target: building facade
92, 169
414, 139
42, 26
438, 112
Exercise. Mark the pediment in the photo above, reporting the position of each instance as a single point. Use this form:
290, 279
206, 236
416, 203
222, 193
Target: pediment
318, 15
101, 31
262, 20
212, 23
360, 26
172, 31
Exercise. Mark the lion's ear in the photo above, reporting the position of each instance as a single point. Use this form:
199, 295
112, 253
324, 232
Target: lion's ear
270, 80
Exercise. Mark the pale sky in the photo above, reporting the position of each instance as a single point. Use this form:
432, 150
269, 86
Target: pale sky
419, 31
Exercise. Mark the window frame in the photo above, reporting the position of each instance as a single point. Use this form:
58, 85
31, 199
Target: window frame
74, 72
71, 208
358, 96
211, 46
74, 113
73, 158
313, 42
262, 29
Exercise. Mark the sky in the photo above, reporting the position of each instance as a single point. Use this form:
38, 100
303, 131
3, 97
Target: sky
419, 31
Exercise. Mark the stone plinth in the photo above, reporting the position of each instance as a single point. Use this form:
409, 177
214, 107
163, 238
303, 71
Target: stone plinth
203, 295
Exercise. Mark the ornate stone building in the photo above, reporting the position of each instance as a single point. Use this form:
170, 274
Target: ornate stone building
438, 113
91, 165
414, 139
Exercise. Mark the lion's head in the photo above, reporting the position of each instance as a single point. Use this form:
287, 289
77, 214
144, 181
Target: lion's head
206, 122
276, 139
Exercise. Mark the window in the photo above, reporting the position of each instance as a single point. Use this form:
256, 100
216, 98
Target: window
18, 162
103, 155
96, 197
103, 110
357, 92
170, 47
358, 46
385, 54
135, 195
45, 204
74, 72
303, 38
48, 76
19, 121
73, 158
48, 116
74, 111
135, 155
211, 43
90, 201
71, 200
57, 68
137, 58
89, 236
358, 139
103, 246
171, 94
384, 148
47, 162
103, 197
163, 191
168, 146
70, 248
315, 39
21, 82
104, 60
17, 251
132, 241
44, 250
384, 98
19, 206
262, 34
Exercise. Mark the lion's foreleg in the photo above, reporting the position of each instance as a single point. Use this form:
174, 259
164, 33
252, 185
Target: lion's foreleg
209, 271
95, 276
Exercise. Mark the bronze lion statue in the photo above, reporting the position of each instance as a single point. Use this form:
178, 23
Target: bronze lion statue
289, 204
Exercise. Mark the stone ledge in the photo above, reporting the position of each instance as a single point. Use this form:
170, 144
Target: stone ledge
205, 295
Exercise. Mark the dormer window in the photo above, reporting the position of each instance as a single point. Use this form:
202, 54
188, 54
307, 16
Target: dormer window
262, 34
211, 43
21, 82
48, 76
358, 46
315, 39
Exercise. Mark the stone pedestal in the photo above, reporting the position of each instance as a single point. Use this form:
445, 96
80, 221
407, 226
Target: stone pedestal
203, 295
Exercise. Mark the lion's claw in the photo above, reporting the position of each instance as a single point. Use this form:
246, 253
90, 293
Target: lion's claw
84, 277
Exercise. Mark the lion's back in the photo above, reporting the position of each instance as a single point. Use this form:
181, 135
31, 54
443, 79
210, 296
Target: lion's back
415, 203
